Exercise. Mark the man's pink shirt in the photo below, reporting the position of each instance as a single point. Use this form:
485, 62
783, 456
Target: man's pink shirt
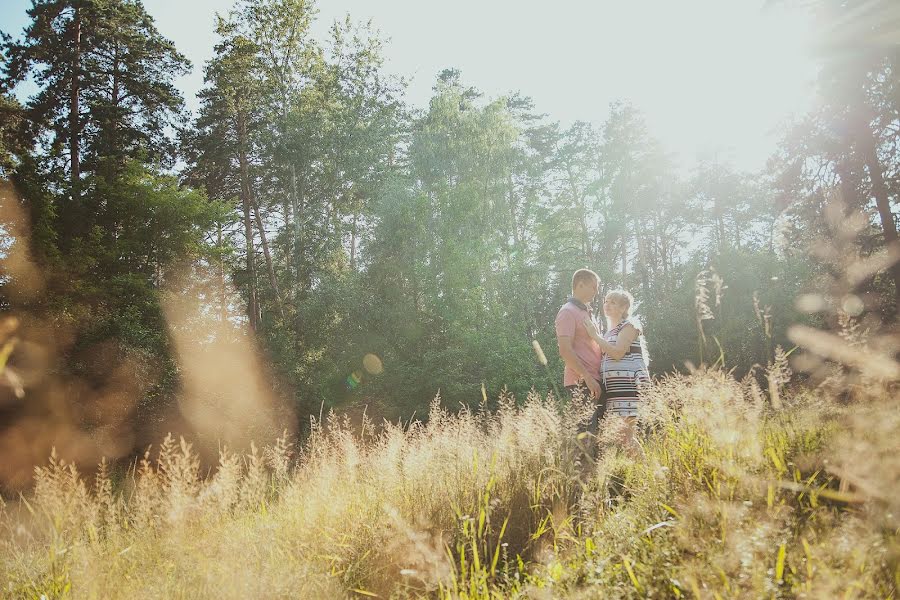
569, 323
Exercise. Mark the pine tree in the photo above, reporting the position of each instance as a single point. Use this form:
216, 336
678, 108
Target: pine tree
226, 141
106, 94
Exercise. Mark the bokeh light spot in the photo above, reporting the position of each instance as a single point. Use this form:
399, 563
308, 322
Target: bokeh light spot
372, 364
852, 305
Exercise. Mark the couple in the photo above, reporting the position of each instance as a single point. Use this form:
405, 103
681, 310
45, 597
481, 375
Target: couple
611, 367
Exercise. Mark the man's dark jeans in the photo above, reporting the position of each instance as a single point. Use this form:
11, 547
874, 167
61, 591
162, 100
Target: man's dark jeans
593, 425
586, 447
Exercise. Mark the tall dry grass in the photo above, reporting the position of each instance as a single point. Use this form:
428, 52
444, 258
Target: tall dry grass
730, 498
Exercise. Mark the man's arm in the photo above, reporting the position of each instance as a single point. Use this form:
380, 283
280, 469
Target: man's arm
567, 352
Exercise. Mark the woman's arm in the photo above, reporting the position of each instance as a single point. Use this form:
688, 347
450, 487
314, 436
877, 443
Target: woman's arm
624, 340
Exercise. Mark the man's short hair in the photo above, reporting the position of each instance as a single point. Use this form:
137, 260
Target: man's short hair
583, 275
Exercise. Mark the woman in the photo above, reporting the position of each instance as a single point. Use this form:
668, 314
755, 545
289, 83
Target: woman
623, 370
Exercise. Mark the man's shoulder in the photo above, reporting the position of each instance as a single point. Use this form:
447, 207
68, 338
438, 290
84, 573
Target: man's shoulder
567, 312
569, 308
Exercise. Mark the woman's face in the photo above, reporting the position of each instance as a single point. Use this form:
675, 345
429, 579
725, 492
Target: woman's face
613, 308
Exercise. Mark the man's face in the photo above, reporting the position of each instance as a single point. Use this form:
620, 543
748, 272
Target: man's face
587, 290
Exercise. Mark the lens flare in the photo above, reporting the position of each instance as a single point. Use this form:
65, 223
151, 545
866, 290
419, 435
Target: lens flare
372, 364
354, 380
227, 394
539, 352
853, 305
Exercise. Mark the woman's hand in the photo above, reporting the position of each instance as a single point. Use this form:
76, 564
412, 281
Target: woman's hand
592, 329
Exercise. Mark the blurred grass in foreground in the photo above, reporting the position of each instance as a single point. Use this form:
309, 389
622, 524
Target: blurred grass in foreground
731, 499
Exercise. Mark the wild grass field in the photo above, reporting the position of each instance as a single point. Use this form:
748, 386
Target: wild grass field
729, 498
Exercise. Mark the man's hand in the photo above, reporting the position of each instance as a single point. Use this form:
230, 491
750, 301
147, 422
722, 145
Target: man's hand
593, 385
573, 362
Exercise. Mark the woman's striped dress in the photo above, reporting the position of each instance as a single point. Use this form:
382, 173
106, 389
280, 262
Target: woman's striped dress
623, 379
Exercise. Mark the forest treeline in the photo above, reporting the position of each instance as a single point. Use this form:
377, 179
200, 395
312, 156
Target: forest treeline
307, 202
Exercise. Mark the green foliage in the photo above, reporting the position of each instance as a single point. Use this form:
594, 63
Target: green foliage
103, 292
104, 75
11, 117
746, 334
165, 222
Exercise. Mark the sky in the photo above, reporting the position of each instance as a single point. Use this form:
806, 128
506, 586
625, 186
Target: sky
710, 75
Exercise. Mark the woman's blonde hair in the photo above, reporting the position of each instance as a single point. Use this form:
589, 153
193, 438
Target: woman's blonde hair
623, 297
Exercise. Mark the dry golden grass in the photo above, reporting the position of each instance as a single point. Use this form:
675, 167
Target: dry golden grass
730, 499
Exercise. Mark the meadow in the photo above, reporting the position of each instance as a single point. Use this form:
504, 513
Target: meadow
729, 497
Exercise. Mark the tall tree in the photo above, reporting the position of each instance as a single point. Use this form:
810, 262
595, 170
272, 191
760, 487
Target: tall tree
226, 141
105, 78
289, 62
848, 144
367, 123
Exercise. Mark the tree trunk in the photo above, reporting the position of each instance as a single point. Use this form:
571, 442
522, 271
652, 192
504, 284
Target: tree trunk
298, 221
114, 115
296, 203
265, 245
642, 258
660, 243
286, 208
513, 217
291, 242
252, 306
223, 300
74, 93
353, 235
664, 251
880, 191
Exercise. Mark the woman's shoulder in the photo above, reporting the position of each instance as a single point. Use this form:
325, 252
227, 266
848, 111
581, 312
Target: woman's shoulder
630, 324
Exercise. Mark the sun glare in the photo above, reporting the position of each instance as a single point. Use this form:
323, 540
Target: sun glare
725, 78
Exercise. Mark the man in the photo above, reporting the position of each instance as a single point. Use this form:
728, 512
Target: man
578, 350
